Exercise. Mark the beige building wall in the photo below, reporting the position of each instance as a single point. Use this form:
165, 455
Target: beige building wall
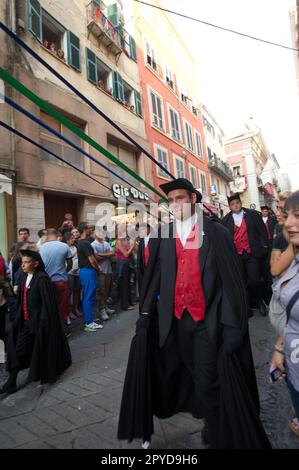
294, 19
37, 177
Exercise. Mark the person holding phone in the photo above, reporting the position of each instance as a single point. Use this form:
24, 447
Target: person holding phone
285, 359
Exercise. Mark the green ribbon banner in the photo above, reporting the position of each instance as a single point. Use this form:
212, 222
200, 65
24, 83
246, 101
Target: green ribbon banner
12, 81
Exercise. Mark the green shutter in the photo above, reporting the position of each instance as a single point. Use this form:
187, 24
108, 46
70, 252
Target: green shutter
118, 87
74, 51
113, 14
91, 65
133, 51
35, 19
138, 103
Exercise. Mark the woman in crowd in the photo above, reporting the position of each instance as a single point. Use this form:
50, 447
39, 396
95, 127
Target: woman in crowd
285, 357
123, 251
74, 277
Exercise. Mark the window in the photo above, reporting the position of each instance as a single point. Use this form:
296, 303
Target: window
209, 126
138, 104
161, 156
237, 171
169, 77
151, 57
203, 183
210, 155
118, 87
193, 176
126, 156
129, 96
133, 50
174, 124
157, 110
189, 136
53, 35
98, 72
198, 144
74, 55
179, 167
59, 147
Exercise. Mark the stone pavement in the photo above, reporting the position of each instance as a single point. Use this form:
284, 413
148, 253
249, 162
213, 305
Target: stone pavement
81, 410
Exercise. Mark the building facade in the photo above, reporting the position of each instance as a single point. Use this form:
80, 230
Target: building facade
169, 92
294, 19
90, 48
220, 172
247, 155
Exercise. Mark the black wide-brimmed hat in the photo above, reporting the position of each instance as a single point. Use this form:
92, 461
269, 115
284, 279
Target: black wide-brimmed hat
181, 183
34, 255
234, 197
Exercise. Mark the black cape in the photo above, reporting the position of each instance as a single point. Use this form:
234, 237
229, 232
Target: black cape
51, 354
167, 388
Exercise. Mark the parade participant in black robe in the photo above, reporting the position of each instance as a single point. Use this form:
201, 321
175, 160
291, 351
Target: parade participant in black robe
250, 237
203, 344
146, 258
36, 339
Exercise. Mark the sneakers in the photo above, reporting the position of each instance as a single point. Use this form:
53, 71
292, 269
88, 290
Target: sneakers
103, 315
93, 327
110, 311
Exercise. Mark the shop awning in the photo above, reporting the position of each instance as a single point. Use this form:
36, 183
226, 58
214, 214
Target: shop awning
5, 184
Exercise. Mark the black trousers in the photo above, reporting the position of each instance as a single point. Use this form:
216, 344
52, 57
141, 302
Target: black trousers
3, 312
24, 347
199, 355
253, 277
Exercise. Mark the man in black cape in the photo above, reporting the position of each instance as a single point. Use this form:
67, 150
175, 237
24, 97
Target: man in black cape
249, 234
194, 354
36, 339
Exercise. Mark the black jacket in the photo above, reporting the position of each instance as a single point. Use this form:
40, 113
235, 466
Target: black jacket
158, 383
145, 273
51, 353
257, 232
220, 275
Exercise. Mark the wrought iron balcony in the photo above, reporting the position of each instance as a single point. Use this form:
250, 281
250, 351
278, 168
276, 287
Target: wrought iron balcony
220, 167
103, 29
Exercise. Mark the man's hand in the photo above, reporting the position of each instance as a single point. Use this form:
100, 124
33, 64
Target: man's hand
232, 338
143, 321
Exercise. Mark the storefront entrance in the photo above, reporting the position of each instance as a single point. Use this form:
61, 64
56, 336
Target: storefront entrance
56, 207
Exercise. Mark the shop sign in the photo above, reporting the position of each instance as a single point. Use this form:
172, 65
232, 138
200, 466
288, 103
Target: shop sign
119, 190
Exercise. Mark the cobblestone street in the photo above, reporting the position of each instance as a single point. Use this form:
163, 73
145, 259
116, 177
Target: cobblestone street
81, 410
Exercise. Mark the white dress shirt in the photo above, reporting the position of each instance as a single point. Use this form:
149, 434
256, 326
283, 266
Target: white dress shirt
265, 219
238, 218
185, 227
146, 240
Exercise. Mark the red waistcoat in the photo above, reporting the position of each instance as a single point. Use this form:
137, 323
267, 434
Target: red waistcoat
268, 231
25, 309
241, 238
146, 254
188, 288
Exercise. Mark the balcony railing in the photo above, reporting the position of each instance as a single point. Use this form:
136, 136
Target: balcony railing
101, 27
221, 168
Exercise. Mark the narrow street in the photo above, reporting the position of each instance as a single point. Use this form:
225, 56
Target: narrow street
81, 410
